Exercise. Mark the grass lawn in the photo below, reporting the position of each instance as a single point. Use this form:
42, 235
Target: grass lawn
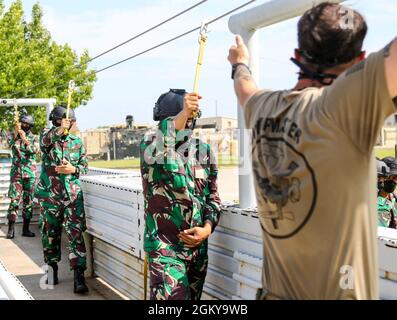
115, 164
382, 153
134, 163
223, 161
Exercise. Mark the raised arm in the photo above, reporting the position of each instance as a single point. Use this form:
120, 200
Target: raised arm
11, 140
391, 68
32, 147
51, 136
48, 137
190, 105
244, 84
13, 137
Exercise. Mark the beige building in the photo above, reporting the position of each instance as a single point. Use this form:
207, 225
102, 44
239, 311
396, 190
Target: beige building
217, 123
102, 142
221, 134
96, 141
388, 135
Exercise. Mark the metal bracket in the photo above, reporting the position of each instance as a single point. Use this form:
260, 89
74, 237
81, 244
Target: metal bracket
203, 32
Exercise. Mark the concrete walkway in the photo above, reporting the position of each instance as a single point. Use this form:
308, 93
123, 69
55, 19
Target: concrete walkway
24, 258
228, 184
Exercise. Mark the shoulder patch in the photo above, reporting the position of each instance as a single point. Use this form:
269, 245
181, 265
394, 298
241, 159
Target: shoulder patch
358, 67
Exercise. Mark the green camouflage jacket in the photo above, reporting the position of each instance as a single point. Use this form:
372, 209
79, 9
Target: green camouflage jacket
59, 187
24, 157
386, 210
179, 194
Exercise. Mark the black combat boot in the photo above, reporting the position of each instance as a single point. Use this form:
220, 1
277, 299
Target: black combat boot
52, 274
79, 281
25, 231
11, 230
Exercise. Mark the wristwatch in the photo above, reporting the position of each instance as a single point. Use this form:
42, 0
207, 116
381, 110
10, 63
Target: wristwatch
77, 173
235, 66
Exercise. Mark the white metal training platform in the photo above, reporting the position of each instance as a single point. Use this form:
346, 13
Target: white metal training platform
115, 219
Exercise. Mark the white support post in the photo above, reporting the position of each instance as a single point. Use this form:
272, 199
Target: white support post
47, 103
246, 24
246, 184
49, 108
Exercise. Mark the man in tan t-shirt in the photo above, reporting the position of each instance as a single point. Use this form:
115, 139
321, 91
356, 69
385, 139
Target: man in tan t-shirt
313, 163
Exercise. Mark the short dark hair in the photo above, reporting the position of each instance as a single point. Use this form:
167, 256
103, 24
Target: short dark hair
324, 41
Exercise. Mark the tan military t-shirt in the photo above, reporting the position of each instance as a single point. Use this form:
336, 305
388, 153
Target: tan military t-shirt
315, 183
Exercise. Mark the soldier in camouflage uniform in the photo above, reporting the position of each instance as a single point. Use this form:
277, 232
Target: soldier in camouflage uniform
25, 147
61, 197
182, 206
387, 199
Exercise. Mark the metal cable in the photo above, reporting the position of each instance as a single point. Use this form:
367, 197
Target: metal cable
156, 46
113, 48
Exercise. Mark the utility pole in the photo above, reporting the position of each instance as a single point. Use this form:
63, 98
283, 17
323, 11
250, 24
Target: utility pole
216, 108
114, 145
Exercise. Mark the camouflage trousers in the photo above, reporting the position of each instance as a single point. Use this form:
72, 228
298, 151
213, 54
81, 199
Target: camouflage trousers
21, 188
53, 217
177, 278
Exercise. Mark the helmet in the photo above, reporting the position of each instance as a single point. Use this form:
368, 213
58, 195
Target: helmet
59, 113
382, 168
391, 164
27, 119
169, 104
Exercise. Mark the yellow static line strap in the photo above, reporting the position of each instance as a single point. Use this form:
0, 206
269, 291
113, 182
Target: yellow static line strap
199, 63
70, 92
202, 42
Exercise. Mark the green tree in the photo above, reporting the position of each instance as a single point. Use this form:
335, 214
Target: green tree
29, 56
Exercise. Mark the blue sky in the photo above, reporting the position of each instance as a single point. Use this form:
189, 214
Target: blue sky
133, 87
